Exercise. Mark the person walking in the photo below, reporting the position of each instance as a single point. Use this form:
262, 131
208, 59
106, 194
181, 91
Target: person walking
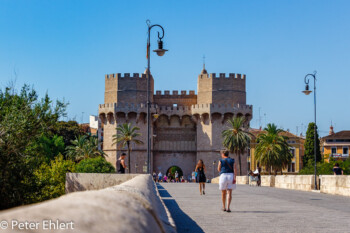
227, 180
177, 177
160, 175
121, 164
169, 177
193, 177
154, 175
337, 170
200, 169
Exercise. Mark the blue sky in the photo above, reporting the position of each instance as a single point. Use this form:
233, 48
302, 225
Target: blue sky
66, 47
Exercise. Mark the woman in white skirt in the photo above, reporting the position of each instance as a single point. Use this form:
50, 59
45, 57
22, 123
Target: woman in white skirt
227, 181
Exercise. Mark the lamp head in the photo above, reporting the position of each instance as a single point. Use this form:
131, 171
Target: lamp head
160, 51
307, 91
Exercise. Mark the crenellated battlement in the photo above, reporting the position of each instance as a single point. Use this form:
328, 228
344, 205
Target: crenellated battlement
224, 76
222, 106
125, 76
175, 93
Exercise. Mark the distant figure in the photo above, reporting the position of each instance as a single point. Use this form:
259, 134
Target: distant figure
165, 179
154, 175
227, 180
200, 169
121, 164
176, 177
193, 176
160, 175
337, 170
259, 176
169, 176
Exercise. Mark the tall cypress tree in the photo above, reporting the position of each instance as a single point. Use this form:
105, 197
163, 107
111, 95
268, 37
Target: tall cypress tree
309, 145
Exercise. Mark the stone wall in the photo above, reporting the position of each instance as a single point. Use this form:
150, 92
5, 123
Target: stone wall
127, 88
180, 99
268, 181
94, 181
133, 206
296, 182
239, 180
221, 89
331, 184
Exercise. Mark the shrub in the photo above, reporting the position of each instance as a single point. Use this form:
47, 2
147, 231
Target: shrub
324, 168
95, 165
50, 179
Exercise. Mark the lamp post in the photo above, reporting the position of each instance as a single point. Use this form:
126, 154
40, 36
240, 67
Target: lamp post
307, 92
160, 52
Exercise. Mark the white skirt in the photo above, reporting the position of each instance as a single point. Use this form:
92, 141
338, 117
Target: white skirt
226, 181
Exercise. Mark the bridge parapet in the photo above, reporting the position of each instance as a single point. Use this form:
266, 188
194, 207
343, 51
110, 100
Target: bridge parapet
79, 208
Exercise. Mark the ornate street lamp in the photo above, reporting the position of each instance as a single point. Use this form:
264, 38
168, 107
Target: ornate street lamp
307, 92
160, 52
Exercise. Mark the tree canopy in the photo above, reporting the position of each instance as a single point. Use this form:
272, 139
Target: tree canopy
236, 138
24, 119
272, 149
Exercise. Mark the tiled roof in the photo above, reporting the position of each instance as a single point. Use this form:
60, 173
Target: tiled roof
345, 134
256, 132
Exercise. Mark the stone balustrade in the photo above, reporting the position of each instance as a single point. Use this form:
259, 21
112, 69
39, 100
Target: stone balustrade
239, 180
331, 184
296, 182
132, 206
268, 181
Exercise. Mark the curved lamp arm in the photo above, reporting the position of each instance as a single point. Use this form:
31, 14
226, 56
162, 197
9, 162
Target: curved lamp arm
306, 79
155, 25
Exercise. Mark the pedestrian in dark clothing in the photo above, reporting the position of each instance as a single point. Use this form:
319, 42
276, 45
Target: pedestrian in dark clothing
337, 170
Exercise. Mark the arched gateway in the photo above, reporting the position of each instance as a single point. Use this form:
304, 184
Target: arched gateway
171, 170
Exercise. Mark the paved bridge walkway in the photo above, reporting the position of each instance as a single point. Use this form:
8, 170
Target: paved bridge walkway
255, 209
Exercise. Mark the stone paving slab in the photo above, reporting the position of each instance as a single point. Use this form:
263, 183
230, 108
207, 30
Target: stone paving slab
255, 209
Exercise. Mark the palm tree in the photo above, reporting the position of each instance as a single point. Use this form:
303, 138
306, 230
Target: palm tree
272, 149
83, 148
236, 138
125, 135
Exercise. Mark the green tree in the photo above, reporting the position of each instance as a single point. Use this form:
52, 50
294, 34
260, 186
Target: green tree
236, 138
125, 135
50, 179
272, 149
172, 171
310, 145
69, 130
83, 147
24, 118
95, 165
324, 168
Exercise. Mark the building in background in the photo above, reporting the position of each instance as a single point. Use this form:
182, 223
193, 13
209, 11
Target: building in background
93, 128
296, 144
336, 145
189, 125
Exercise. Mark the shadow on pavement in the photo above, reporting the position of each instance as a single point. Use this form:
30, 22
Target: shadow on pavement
260, 212
182, 221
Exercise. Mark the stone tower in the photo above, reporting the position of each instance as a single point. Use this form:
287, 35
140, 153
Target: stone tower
189, 126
